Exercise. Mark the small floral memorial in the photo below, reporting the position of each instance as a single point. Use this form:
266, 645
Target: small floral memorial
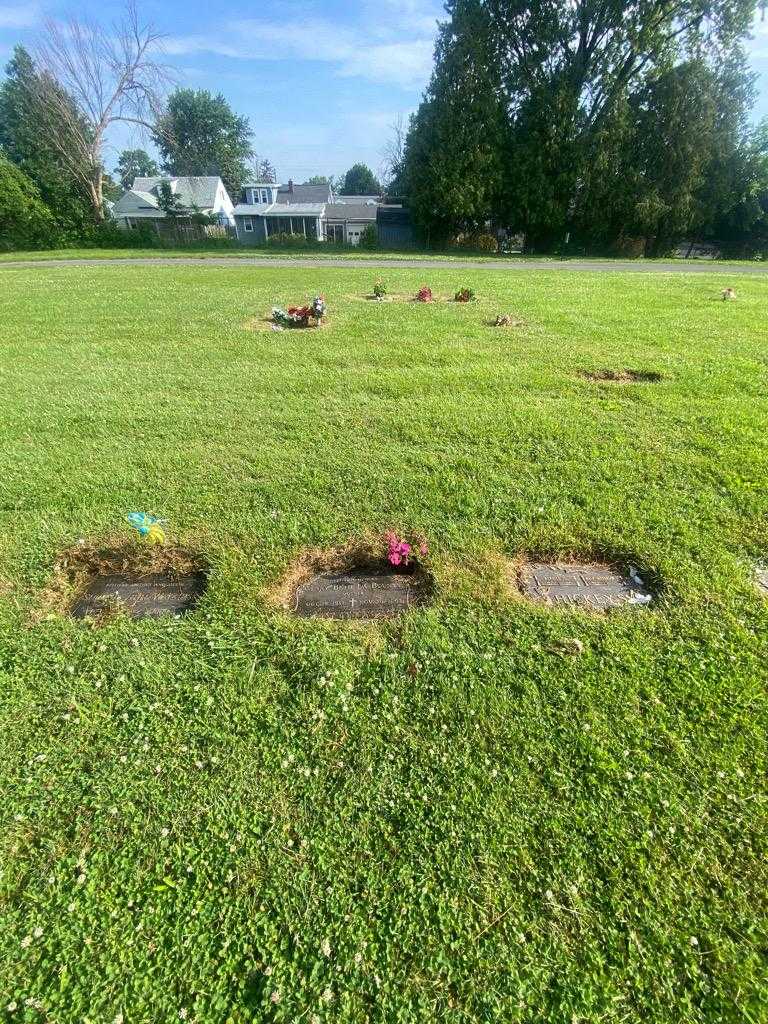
300, 316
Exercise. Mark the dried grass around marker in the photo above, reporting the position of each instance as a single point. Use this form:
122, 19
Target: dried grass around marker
266, 323
357, 553
82, 563
598, 560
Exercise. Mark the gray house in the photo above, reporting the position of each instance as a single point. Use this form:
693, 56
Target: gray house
267, 209
345, 222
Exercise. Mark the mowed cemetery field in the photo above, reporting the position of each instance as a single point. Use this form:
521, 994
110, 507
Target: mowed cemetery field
486, 809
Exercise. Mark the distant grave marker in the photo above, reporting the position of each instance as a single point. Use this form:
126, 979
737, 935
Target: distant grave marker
360, 593
141, 596
595, 587
622, 376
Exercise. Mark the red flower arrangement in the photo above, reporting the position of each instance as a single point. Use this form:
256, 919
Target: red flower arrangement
300, 316
424, 294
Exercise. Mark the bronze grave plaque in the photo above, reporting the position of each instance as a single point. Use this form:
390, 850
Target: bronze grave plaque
361, 593
140, 596
595, 587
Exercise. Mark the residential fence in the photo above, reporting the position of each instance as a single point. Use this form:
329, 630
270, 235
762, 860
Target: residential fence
190, 234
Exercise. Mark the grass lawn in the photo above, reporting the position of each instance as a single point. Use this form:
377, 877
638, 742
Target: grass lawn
245, 252
242, 816
330, 252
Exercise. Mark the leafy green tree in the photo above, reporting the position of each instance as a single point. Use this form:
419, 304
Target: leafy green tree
25, 220
539, 90
734, 187
321, 179
741, 224
135, 163
360, 181
369, 237
453, 152
26, 130
169, 202
199, 134
677, 160
112, 189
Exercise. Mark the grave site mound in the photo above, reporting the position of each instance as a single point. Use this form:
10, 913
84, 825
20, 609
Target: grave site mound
268, 324
352, 582
505, 320
592, 586
98, 582
622, 376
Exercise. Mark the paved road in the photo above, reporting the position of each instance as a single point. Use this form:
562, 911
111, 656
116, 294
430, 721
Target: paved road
601, 266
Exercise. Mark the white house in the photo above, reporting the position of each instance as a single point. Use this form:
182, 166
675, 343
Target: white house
196, 195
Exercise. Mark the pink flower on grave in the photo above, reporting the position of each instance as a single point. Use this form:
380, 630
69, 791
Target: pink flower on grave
400, 550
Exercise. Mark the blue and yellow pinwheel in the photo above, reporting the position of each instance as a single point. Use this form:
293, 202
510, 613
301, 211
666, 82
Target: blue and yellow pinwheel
148, 527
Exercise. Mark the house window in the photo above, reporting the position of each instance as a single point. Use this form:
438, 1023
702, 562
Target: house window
264, 195
247, 224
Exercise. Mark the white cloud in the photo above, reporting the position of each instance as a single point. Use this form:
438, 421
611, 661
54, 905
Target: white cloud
403, 63
395, 46
18, 16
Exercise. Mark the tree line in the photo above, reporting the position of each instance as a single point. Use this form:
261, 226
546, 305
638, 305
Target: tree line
58, 106
619, 126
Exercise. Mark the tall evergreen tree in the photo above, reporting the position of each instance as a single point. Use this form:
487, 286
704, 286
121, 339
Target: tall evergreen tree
453, 152
25, 138
526, 100
266, 171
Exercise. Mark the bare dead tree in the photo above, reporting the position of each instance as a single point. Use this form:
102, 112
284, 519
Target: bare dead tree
394, 150
89, 79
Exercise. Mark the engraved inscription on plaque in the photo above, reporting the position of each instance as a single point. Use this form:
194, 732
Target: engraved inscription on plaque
140, 597
596, 587
363, 593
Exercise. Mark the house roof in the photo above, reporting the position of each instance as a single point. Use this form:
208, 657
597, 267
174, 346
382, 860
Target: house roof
192, 191
148, 198
350, 211
358, 200
279, 210
133, 201
304, 194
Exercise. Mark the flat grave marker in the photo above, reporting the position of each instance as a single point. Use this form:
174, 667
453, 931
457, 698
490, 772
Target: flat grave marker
622, 376
595, 587
141, 596
359, 593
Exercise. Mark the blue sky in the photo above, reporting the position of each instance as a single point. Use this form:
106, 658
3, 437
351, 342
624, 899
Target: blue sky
321, 82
